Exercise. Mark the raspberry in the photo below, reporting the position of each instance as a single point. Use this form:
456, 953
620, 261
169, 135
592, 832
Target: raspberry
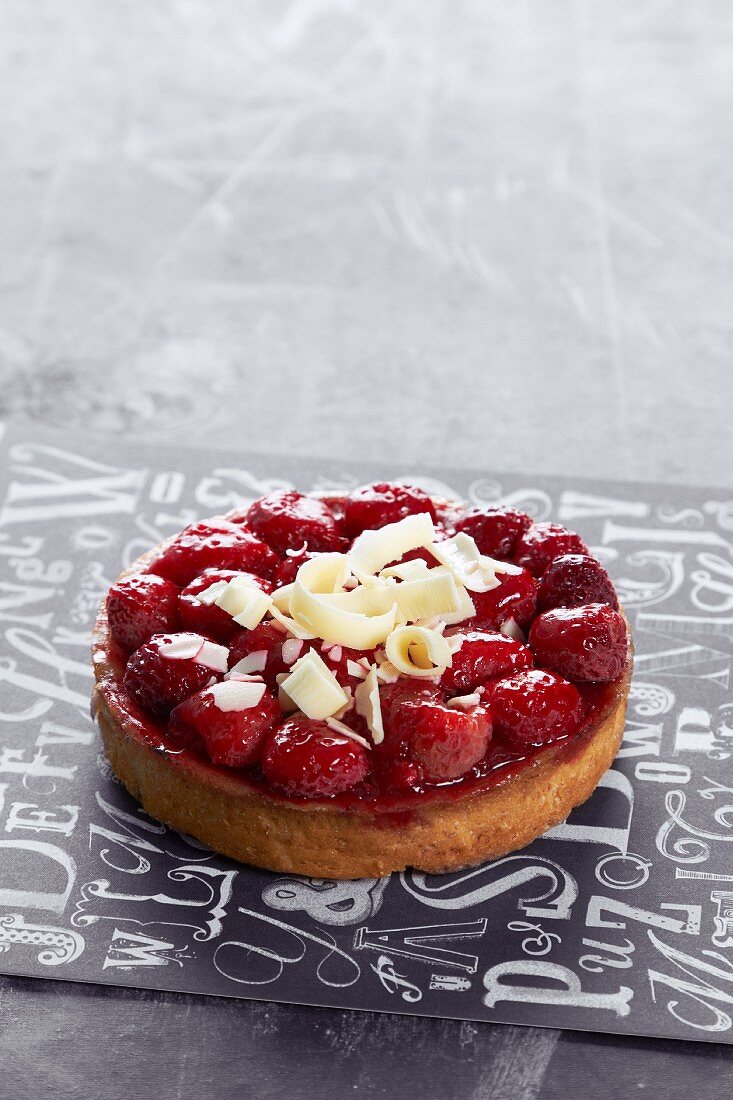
482, 657
139, 606
542, 543
159, 682
583, 643
515, 598
287, 520
265, 637
391, 697
289, 566
573, 580
373, 506
213, 544
210, 620
494, 530
306, 758
534, 707
233, 737
446, 741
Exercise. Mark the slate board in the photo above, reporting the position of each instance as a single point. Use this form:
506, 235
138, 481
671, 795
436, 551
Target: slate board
621, 920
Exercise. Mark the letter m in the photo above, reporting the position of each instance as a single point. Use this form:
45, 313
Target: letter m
129, 949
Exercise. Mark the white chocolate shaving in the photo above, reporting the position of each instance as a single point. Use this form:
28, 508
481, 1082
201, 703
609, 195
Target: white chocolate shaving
376, 599
252, 662
253, 610
418, 651
406, 570
313, 687
310, 606
465, 702
213, 656
511, 628
182, 647
292, 649
281, 598
372, 550
368, 705
431, 596
340, 727
290, 626
211, 594
473, 569
237, 694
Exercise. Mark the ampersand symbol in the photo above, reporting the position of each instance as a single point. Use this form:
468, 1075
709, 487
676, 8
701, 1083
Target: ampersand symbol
328, 902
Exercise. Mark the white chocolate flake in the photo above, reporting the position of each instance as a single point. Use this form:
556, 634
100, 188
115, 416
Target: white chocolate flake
237, 695
182, 647
368, 705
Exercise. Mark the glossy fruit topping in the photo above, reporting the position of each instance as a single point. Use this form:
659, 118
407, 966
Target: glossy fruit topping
534, 707
231, 737
287, 520
398, 775
341, 660
483, 656
494, 530
375, 505
158, 681
265, 645
214, 544
139, 606
446, 741
586, 643
289, 566
391, 697
575, 579
542, 543
209, 619
305, 758
514, 598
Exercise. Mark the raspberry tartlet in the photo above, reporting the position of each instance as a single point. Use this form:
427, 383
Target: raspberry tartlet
346, 686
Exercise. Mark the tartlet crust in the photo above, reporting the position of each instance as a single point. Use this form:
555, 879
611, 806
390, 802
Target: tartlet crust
321, 840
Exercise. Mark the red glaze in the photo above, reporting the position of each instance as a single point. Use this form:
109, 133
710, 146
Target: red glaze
305, 758
514, 598
483, 656
575, 579
375, 505
287, 520
232, 738
139, 606
158, 683
582, 643
212, 621
214, 544
397, 775
446, 741
267, 637
494, 530
542, 543
533, 707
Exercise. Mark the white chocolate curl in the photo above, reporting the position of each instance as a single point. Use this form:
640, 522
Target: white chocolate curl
418, 651
320, 604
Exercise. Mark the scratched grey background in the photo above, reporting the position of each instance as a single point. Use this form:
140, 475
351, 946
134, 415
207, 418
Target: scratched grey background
490, 233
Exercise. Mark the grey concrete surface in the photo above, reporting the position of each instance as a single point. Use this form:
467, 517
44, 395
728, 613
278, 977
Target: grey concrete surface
474, 232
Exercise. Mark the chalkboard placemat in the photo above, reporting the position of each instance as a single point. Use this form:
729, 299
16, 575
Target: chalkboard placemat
619, 920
